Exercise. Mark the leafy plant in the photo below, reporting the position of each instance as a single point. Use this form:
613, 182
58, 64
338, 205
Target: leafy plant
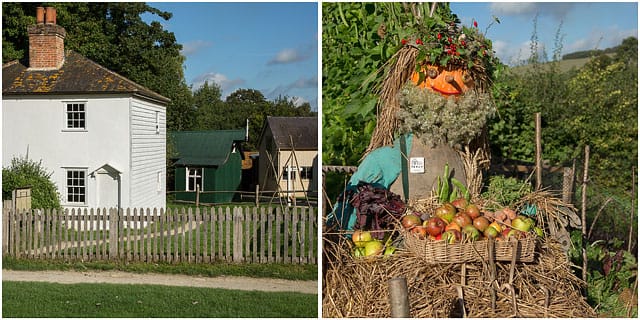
506, 191
25, 172
610, 272
376, 208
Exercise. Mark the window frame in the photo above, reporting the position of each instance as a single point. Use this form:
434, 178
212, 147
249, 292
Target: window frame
84, 186
66, 112
189, 176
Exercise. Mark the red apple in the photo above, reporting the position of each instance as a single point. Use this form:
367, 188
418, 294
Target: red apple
452, 226
460, 203
481, 223
421, 231
435, 226
410, 220
472, 211
462, 219
446, 212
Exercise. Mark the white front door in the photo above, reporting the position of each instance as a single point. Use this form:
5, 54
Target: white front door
108, 185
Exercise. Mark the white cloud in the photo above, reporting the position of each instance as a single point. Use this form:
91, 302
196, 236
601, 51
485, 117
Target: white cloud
553, 9
298, 101
226, 84
601, 39
287, 56
192, 47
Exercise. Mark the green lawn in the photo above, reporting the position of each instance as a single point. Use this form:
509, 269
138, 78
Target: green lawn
36, 300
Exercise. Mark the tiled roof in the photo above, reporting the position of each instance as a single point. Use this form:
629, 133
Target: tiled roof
205, 148
78, 75
302, 131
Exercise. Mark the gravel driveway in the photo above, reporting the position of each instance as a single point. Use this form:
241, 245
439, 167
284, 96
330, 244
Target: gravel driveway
119, 277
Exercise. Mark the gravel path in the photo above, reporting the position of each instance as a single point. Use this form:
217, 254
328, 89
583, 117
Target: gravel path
118, 277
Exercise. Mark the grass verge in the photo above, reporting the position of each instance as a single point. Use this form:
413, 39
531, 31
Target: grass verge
36, 300
271, 270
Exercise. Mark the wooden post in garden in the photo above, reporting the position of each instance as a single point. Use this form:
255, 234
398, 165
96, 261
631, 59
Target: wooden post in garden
633, 207
567, 183
197, 195
538, 151
257, 194
399, 298
113, 233
585, 179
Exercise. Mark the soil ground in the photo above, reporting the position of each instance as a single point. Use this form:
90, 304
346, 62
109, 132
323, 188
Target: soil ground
119, 277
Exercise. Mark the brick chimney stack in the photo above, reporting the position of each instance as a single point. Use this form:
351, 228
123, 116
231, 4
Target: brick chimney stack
46, 41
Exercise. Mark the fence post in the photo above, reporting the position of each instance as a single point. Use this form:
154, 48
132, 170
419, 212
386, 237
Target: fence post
5, 231
257, 194
237, 235
113, 233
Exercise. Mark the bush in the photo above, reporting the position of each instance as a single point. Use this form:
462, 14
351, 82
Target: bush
24, 172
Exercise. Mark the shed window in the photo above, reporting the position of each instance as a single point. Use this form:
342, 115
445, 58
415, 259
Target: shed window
76, 186
75, 114
306, 173
289, 172
194, 178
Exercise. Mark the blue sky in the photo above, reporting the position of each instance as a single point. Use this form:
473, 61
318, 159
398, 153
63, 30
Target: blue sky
582, 25
270, 47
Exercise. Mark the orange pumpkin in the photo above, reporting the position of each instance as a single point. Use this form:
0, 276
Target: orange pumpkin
445, 81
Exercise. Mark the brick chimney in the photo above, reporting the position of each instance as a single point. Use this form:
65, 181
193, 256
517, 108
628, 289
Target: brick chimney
46, 41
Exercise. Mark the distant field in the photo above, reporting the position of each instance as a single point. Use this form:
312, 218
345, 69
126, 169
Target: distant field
563, 65
49, 300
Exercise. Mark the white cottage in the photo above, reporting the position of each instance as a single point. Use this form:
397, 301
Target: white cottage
102, 135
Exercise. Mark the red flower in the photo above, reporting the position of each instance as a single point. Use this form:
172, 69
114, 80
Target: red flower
404, 41
439, 36
418, 41
475, 23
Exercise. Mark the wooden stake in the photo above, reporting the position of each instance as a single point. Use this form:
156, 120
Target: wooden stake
399, 297
633, 207
585, 179
538, 151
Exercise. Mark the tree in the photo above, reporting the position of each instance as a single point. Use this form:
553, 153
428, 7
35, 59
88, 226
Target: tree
114, 36
24, 172
209, 106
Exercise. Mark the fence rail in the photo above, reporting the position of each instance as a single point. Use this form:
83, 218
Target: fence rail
239, 234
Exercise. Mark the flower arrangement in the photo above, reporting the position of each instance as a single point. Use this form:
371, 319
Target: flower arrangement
442, 41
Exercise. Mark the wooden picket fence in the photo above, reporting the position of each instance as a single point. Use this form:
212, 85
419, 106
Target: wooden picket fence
240, 234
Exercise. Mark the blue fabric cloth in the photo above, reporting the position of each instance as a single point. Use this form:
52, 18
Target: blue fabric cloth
380, 168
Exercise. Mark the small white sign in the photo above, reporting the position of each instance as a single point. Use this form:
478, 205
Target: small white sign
416, 165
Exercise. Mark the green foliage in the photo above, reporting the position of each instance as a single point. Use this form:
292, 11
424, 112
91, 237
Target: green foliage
24, 172
114, 35
439, 120
609, 274
505, 191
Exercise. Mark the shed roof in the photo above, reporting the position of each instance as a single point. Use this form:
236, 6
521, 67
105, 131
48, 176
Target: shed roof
78, 75
205, 148
302, 131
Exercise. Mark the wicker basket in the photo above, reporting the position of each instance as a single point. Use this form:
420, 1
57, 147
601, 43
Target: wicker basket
442, 252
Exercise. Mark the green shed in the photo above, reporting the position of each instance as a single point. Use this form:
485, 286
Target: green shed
209, 159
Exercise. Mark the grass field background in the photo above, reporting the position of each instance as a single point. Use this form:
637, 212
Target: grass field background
37, 300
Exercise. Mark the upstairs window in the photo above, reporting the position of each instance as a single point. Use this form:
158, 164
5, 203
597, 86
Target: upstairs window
289, 173
75, 115
306, 173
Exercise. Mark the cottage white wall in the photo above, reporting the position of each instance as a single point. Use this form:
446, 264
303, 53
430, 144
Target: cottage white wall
37, 124
148, 154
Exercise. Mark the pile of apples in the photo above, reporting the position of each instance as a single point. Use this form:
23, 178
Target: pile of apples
460, 221
366, 246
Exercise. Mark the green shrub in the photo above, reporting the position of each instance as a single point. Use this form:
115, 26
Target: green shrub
24, 172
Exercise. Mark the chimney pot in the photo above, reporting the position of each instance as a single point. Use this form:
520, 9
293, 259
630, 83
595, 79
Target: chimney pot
50, 15
39, 15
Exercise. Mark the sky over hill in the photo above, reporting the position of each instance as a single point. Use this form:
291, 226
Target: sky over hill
578, 25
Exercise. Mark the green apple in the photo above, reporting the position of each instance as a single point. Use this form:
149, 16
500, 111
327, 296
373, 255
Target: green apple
361, 237
373, 247
471, 232
522, 223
